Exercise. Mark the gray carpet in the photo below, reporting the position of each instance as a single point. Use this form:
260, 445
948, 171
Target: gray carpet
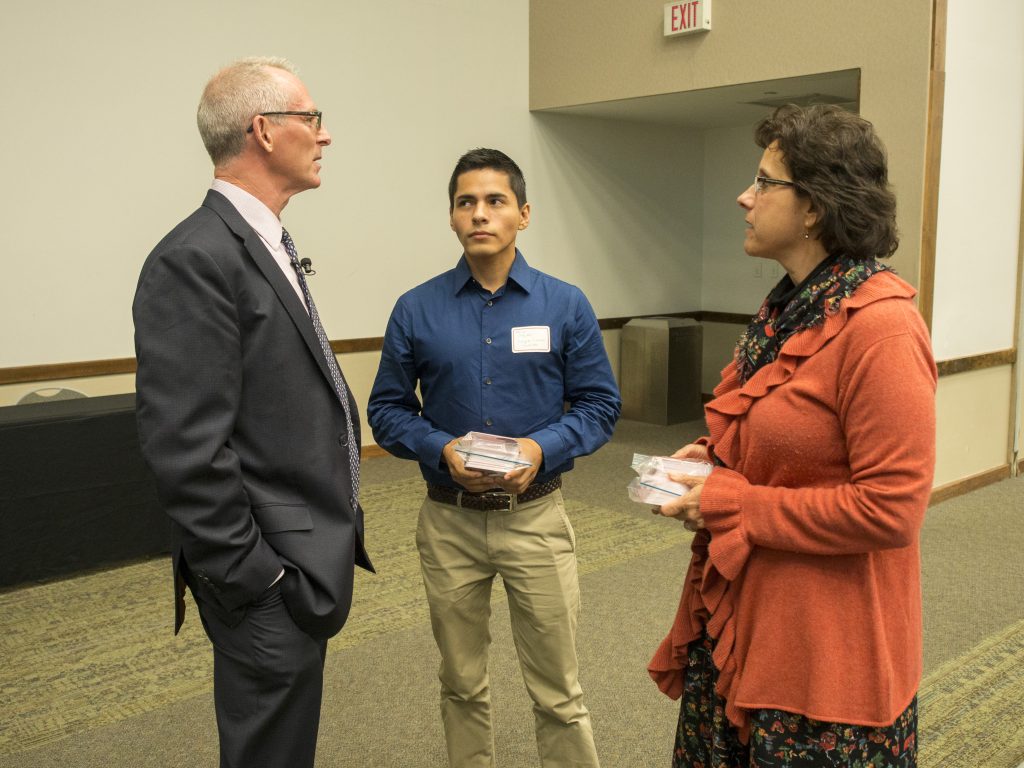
89, 680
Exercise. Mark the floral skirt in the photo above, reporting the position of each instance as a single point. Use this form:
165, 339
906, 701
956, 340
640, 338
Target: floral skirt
706, 739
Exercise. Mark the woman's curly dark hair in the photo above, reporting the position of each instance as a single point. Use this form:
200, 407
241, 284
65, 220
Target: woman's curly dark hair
838, 162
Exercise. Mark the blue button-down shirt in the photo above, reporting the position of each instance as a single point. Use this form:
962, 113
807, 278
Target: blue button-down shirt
453, 338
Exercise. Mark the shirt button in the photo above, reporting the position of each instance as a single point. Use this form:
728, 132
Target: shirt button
343, 439
487, 340
487, 381
489, 422
490, 303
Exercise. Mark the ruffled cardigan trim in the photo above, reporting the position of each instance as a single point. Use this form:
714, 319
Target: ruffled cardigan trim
720, 551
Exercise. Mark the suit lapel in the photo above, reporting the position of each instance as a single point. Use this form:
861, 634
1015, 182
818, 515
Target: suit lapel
272, 272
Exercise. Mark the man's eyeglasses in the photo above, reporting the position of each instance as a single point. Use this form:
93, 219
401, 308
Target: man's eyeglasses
316, 119
760, 182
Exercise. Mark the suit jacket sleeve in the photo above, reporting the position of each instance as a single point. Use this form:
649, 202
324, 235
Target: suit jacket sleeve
189, 387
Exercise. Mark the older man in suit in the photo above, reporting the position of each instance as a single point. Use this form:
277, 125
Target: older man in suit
247, 422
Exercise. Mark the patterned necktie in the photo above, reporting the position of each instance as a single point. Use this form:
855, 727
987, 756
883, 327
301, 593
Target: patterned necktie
332, 364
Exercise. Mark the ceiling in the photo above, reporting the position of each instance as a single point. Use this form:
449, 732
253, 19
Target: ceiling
727, 105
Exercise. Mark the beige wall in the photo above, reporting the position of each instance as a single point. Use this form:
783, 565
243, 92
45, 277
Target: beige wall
973, 422
610, 214
405, 86
604, 50
610, 50
607, 195
976, 275
732, 281
978, 268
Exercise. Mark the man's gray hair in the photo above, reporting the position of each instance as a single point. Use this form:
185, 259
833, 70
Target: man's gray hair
233, 97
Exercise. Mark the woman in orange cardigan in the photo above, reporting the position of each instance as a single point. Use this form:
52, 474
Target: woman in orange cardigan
798, 636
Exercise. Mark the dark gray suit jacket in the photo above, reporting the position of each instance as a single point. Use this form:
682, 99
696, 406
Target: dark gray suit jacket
241, 426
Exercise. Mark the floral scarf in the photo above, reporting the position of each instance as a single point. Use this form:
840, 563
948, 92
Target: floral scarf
789, 309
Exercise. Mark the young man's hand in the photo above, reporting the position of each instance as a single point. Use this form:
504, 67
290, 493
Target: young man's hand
518, 480
469, 479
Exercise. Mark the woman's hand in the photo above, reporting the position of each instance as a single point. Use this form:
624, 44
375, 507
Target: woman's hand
687, 507
694, 452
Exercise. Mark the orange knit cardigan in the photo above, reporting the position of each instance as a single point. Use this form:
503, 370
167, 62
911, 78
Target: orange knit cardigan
808, 572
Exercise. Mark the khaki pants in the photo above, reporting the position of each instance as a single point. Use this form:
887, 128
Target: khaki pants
533, 548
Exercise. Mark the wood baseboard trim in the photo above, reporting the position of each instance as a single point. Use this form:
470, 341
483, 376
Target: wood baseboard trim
977, 362
54, 372
729, 318
347, 346
967, 484
26, 374
614, 323
372, 452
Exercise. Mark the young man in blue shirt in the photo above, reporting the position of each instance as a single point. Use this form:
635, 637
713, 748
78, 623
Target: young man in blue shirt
498, 347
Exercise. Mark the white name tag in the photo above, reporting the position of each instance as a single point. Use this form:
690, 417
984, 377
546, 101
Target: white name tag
531, 338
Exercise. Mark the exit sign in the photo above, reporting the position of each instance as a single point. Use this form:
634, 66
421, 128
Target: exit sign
687, 17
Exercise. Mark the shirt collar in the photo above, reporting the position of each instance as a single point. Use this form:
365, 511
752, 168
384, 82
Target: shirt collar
256, 214
521, 274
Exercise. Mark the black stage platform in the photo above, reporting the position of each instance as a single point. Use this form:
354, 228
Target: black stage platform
74, 492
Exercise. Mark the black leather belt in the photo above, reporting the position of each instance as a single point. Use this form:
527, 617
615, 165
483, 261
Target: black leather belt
491, 501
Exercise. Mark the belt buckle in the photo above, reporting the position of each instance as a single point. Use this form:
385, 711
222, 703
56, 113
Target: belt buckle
510, 497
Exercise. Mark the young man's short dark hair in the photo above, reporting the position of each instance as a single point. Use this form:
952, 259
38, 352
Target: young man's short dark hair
477, 159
